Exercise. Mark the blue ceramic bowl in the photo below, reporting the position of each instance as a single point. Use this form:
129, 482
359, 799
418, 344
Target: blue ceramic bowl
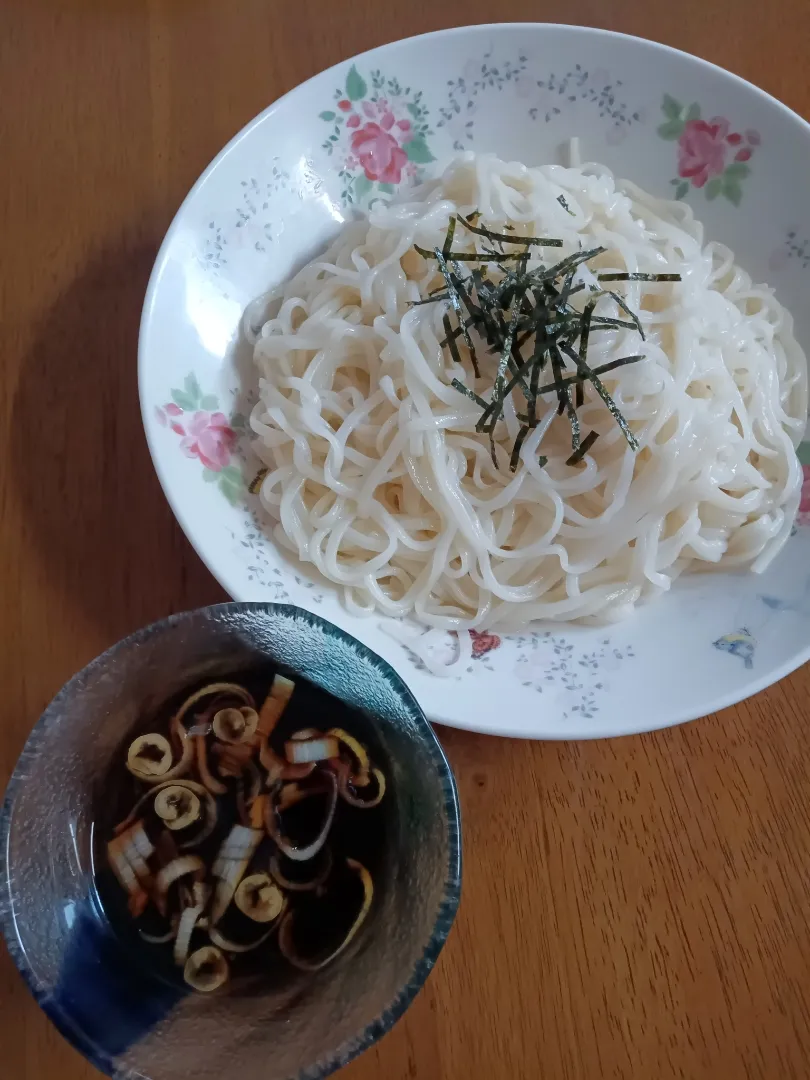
129, 1022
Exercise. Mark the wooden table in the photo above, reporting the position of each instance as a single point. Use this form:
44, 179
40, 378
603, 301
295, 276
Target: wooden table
652, 894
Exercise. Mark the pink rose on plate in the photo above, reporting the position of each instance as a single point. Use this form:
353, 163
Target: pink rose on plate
379, 153
166, 411
804, 505
702, 150
210, 438
483, 642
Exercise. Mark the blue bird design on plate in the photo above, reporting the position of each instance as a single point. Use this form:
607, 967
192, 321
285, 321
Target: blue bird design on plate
738, 643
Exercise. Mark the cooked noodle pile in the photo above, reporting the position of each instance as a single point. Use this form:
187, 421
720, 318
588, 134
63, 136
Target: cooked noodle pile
378, 476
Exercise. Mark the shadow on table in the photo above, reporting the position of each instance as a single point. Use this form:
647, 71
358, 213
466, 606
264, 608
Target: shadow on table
98, 520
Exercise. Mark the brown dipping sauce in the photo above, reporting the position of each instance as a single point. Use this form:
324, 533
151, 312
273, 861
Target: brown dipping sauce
236, 809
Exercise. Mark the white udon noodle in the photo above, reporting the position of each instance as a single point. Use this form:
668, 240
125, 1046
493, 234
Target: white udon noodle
378, 477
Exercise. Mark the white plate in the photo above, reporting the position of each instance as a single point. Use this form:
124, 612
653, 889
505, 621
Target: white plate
280, 191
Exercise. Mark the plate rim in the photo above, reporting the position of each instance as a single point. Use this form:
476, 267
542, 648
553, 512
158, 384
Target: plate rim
221, 575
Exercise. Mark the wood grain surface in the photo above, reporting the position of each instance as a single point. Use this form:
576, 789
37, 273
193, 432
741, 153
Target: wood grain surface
634, 908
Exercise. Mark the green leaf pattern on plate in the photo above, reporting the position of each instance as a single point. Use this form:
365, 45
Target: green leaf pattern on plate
186, 403
231, 484
417, 150
356, 88
362, 187
192, 387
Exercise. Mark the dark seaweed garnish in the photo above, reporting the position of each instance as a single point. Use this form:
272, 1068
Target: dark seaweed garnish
521, 309
565, 206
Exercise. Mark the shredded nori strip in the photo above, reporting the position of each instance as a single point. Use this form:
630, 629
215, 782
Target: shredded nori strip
585, 330
451, 339
522, 304
557, 366
619, 363
569, 289
500, 378
629, 312
639, 277
443, 295
565, 206
615, 324
573, 419
495, 407
539, 357
521, 437
503, 238
567, 380
448, 240
583, 448
455, 300
598, 386
467, 392
571, 263
471, 256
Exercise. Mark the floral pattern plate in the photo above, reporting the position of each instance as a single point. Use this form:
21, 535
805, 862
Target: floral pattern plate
365, 130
